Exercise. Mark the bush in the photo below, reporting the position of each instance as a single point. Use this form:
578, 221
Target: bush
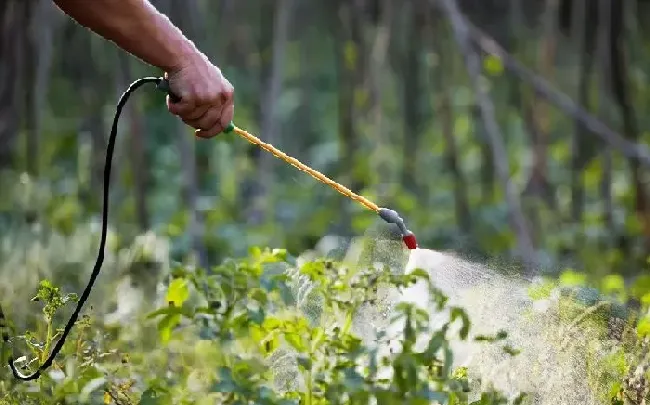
256, 330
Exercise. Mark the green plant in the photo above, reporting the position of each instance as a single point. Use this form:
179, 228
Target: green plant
255, 330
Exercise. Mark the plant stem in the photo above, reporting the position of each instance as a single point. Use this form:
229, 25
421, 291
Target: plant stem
309, 388
46, 348
48, 341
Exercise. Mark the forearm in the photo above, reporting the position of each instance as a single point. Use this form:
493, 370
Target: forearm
135, 26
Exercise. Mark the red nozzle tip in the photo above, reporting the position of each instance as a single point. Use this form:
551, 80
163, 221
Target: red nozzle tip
410, 241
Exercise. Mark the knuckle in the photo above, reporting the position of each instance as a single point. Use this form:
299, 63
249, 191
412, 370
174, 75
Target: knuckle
177, 110
213, 112
202, 97
195, 114
227, 97
210, 120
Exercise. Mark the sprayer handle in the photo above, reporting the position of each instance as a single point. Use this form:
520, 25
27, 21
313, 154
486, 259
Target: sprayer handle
163, 85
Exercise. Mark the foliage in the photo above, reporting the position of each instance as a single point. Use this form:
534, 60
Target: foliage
612, 335
243, 333
397, 122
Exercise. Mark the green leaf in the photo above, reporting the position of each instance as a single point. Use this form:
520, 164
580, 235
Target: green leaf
296, 341
305, 362
270, 344
511, 350
571, 278
460, 313
643, 327
645, 299
419, 273
150, 397
255, 252
613, 283
348, 323
493, 65
171, 310
279, 254
640, 286
166, 325
272, 323
460, 372
178, 292
542, 290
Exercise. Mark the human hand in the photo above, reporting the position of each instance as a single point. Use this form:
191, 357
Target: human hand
206, 96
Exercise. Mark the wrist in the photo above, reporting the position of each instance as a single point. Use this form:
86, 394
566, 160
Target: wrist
181, 54
176, 47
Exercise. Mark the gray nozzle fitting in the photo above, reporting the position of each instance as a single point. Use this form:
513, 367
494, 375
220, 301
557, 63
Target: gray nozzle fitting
392, 217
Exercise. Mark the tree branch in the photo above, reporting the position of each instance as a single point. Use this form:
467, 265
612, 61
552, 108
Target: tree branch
544, 89
525, 247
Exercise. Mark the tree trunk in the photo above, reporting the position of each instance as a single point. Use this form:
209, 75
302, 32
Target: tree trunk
604, 58
14, 23
488, 170
380, 163
579, 142
537, 113
139, 164
304, 120
446, 114
525, 248
38, 63
350, 54
618, 77
272, 80
411, 82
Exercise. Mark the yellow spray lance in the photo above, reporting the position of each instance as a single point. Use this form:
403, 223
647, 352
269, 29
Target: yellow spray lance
388, 215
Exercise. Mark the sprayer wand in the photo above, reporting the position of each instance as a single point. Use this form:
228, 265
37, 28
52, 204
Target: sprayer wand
388, 215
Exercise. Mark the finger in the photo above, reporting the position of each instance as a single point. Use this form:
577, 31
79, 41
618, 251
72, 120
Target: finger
212, 127
196, 114
180, 108
208, 120
228, 92
227, 114
211, 132
228, 111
